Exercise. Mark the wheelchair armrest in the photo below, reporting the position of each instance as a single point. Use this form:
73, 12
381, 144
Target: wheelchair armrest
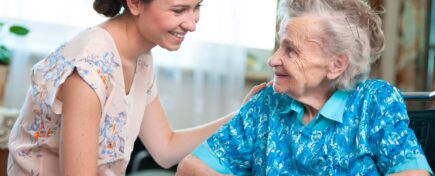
419, 95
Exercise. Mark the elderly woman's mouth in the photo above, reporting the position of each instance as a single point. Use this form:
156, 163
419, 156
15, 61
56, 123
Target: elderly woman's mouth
280, 74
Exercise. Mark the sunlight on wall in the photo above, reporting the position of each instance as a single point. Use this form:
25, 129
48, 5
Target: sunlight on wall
248, 23
74, 13
207, 72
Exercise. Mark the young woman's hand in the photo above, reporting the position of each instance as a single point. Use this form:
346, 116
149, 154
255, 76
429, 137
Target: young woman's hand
255, 90
191, 166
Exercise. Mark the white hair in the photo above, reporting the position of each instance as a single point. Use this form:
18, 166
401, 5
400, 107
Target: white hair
350, 27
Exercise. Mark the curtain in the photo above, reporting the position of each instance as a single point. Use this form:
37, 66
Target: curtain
200, 82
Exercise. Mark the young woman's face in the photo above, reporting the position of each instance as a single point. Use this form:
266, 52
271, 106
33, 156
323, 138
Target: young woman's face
299, 65
166, 22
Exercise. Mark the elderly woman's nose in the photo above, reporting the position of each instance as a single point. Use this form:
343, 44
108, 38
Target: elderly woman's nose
274, 60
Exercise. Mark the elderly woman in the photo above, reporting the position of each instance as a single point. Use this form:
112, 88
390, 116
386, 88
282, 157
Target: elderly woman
321, 117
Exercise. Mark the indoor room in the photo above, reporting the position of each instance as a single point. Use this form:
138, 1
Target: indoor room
216, 65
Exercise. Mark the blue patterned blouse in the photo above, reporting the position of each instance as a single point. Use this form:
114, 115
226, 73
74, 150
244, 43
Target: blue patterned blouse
360, 132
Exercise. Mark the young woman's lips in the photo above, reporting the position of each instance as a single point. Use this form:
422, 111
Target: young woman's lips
179, 37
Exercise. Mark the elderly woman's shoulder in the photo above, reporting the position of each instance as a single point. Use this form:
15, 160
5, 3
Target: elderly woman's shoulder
268, 91
378, 88
374, 83
268, 94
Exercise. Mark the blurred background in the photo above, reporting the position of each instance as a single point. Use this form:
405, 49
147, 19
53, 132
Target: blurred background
216, 65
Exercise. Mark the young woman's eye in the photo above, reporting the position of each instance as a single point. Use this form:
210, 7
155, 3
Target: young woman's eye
198, 6
178, 11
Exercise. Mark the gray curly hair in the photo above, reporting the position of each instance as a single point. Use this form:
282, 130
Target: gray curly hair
352, 28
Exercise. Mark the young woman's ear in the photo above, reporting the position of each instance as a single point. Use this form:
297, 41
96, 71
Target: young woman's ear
134, 6
337, 66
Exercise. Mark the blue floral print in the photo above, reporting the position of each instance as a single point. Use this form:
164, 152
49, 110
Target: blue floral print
372, 139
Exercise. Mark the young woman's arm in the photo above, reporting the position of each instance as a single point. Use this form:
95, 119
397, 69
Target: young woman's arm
191, 165
168, 147
81, 112
412, 173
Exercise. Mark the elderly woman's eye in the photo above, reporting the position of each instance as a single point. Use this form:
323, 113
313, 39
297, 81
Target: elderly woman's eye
291, 51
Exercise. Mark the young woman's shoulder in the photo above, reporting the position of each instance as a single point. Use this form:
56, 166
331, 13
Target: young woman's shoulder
92, 41
90, 53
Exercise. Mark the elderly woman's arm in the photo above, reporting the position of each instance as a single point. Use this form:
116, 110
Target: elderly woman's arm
393, 143
229, 150
191, 166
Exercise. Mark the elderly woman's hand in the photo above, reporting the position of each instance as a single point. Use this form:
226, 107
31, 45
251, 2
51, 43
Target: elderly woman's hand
192, 166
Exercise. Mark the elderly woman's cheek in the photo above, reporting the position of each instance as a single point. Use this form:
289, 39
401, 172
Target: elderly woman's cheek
299, 67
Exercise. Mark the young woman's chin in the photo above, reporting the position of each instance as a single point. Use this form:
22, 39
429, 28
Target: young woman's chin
170, 47
172, 43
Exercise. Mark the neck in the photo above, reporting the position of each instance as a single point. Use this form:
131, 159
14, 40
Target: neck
309, 114
129, 41
314, 100
317, 98
312, 106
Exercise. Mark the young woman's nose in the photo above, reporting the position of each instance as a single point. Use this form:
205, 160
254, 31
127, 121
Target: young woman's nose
189, 26
190, 22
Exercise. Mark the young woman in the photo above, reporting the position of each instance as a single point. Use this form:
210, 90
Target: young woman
92, 97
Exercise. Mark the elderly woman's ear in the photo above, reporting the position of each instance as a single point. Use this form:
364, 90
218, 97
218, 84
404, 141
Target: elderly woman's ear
337, 66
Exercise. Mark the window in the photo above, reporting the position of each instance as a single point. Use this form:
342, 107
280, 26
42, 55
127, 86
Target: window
245, 22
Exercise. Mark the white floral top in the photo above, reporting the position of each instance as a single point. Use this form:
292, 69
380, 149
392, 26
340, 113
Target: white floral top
35, 137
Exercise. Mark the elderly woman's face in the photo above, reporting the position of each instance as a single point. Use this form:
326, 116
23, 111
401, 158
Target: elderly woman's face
300, 66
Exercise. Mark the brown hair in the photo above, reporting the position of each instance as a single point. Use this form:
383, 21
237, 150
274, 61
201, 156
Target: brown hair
111, 8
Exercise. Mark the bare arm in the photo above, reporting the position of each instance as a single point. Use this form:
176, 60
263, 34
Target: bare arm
412, 173
192, 166
168, 147
80, 125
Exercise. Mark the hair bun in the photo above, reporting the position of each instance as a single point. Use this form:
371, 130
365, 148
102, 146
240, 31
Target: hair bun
108, 8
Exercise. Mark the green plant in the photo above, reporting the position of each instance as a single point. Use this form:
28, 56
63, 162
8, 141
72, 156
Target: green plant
5, 53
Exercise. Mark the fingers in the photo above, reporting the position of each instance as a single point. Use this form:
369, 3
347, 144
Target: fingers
257, 88
269, 83
254, 91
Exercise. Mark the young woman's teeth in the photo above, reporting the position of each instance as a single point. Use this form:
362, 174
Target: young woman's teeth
177, 34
